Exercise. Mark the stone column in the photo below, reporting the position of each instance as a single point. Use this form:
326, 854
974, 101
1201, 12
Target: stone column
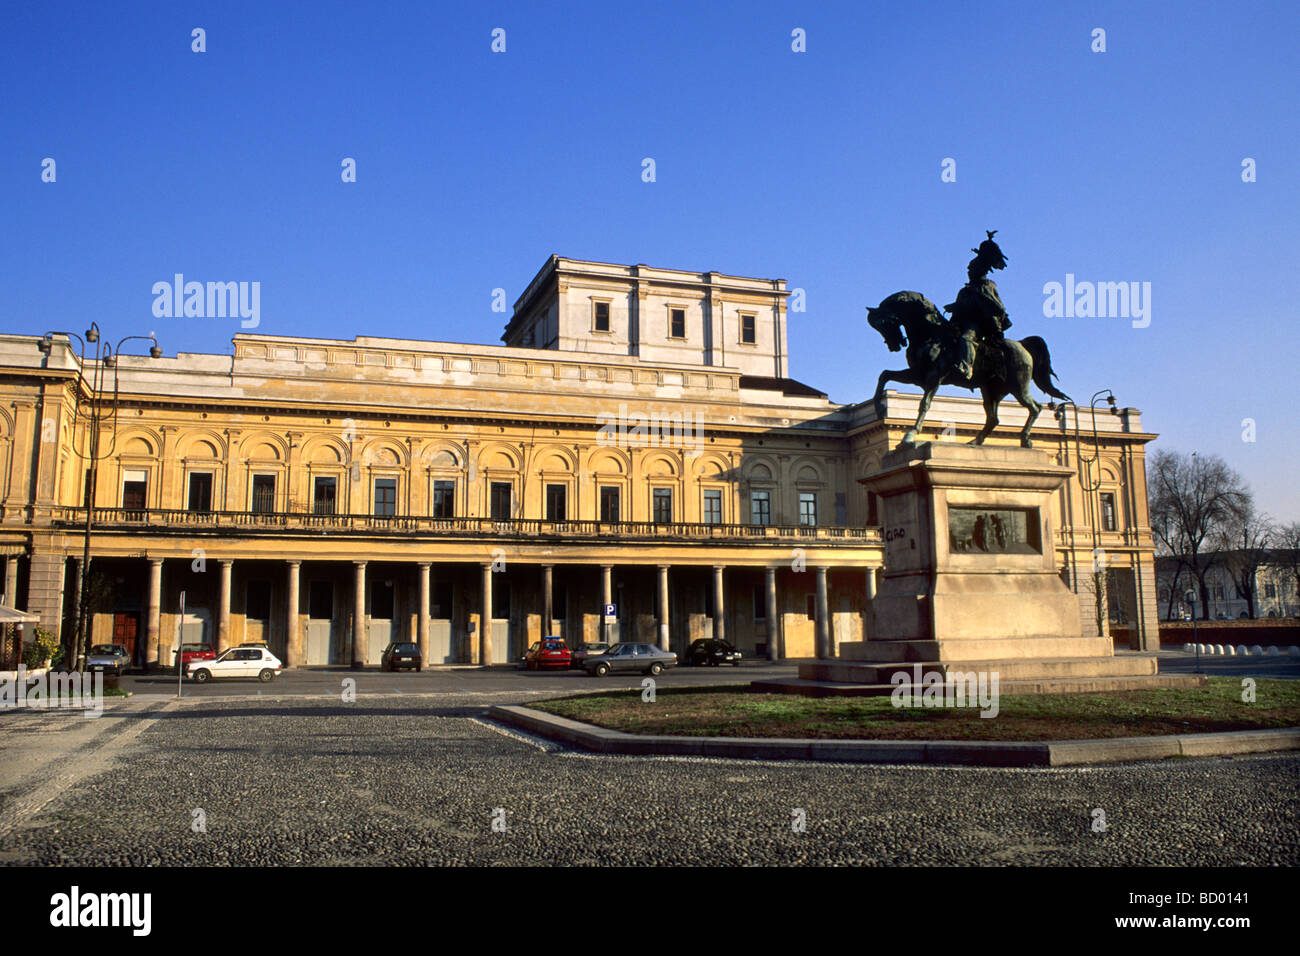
223, 609
11, 580
359, 614
774, 649
868, 606
293, 633
663, 607
824, 649
154, 627
485, 618
719, 611
548, 612
607, 597
422, 613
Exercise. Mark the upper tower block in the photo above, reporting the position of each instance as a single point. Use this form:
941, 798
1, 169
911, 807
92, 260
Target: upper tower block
661, 316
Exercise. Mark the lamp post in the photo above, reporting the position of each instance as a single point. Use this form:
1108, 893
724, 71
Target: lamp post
104, 357
1090, 486
1191, 600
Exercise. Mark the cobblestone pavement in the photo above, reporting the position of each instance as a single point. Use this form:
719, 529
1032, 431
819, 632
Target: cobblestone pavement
406, 780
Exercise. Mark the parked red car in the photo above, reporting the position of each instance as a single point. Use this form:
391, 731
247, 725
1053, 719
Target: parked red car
548, 652
197, 652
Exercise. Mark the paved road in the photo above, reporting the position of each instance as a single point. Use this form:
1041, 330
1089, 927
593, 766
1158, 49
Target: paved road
1179, 662
464, 681
504, 681
406, 779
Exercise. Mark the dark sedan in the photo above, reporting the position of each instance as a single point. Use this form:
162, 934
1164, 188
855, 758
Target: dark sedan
590, 649
712, 652
622, 658
401, 655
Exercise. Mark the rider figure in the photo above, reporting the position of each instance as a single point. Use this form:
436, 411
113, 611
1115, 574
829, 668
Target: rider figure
978, 314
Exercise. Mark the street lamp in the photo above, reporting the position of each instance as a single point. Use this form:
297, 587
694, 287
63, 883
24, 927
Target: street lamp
1191, 600
103, 358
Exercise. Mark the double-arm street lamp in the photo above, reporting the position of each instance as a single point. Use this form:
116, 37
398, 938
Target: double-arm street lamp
104, 358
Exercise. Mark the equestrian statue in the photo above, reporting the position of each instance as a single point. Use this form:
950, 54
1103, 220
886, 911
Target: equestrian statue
968, 349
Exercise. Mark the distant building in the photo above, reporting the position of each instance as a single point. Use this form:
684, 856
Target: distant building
636, 443
1275, 589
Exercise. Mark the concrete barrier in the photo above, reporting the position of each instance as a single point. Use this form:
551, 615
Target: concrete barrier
1055, 753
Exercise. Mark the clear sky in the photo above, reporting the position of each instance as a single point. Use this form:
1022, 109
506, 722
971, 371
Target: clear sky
820, 167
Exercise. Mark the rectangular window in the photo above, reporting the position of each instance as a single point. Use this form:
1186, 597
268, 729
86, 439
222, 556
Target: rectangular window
500, 597
747, 334
135, 489
807, 508
600, 322
555, 500
1108, 522
500, 502
258, 600
760, 507
760, 603
677, 323
385, 497
559, 602
440, 600
263, 494
609, 503
812, 607
324, 493
444, 499
200, 491
382, 600
1270, 591
320, 600
663, 505
713, 506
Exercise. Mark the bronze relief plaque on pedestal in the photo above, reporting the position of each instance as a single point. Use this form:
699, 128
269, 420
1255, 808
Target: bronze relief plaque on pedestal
993, 530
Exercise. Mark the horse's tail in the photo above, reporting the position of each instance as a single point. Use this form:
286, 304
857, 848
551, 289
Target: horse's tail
1043, 373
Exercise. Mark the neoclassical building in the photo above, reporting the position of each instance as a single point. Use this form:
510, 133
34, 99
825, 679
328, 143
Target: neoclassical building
636, 446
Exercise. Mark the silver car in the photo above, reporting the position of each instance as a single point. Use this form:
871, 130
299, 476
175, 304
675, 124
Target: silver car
108, 658
621, 658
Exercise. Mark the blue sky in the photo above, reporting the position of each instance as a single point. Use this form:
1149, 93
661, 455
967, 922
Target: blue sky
820, 167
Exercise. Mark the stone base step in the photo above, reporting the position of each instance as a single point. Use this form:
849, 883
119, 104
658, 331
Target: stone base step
1034, 669
1073, 685
975, 649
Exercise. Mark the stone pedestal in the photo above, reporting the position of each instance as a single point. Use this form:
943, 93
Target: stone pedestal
970, 580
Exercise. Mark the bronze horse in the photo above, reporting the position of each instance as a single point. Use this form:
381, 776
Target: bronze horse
910, 319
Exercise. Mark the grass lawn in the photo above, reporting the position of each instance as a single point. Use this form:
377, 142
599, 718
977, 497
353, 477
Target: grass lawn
738, 712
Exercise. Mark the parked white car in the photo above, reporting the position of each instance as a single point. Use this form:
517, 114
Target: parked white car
237, 662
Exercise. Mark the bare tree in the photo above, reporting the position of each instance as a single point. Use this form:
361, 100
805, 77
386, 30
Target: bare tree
1168, 574
1193, 501
1244, 544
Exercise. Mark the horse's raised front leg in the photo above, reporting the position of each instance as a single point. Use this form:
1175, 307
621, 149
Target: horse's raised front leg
903, 377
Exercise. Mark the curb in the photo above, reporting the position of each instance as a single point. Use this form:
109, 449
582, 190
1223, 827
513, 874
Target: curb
1042, 753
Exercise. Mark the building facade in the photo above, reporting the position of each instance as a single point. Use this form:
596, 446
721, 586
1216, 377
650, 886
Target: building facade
635, 447
1275, 588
